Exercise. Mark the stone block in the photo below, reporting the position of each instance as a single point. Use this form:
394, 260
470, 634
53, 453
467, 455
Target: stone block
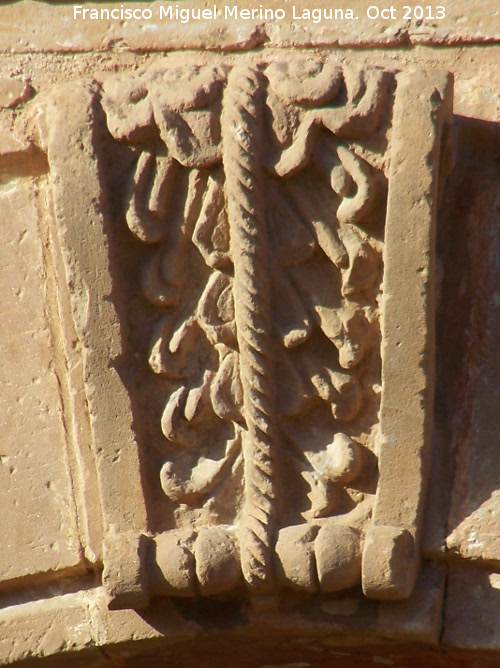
473, 608
36, 27
125, 559
39, 529
228, 266
213, 402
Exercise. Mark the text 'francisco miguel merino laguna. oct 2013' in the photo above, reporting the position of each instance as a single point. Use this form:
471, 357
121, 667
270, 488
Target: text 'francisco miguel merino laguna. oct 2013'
261, 13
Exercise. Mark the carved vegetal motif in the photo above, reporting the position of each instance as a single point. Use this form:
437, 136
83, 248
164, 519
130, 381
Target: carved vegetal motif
262, 191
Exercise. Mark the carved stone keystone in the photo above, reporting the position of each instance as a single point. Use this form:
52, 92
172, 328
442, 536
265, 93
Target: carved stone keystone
250, 249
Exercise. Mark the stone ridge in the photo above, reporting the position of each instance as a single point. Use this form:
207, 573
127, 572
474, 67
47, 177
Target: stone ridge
29, 26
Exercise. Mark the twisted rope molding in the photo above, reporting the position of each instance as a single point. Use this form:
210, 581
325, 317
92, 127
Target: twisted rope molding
241, 123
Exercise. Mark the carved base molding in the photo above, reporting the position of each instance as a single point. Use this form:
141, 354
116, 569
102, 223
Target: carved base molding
249, 247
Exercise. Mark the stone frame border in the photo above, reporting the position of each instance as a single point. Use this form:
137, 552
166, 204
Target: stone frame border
391, 553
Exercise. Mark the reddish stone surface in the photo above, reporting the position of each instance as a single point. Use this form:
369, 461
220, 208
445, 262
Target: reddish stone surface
270, 481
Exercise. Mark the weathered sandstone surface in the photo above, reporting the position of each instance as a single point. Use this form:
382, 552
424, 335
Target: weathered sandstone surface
249, 333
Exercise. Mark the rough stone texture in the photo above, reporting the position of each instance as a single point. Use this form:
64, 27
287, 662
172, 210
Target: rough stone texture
407, 335
13, 92
38, 527
32, 27
465, 303
252, 401
94, 328
53, 626
473, 622
475, 513
229, 459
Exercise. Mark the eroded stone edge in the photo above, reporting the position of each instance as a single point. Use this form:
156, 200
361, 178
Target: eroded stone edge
34, 27
391, 553
68, 129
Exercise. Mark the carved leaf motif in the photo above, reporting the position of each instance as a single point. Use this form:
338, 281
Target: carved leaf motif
164, 276
173, 415
195, 196
354, 208
211, 233
367, 93
191, 137
327, 161
329, 462
317, 283
184, 410
128, 110
187, 116
171, 342
216, 310
347, 397
147, 196
283, 120
226, 391
355, 337
190, 477
293, 241
187, 87
292, 321
341, 461
196, 400
323, 324
364, 264
359, 116
324, 226
310, 84
174, 102
324, 495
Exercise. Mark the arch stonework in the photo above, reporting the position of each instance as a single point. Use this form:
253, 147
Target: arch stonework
249, 338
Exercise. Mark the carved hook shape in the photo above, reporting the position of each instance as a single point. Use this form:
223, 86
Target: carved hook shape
354, 208
185, 483
147, 196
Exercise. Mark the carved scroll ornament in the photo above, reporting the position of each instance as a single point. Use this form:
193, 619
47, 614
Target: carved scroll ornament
262, 191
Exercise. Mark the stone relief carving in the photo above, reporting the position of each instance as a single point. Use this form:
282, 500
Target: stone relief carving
289, 274
267, 279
